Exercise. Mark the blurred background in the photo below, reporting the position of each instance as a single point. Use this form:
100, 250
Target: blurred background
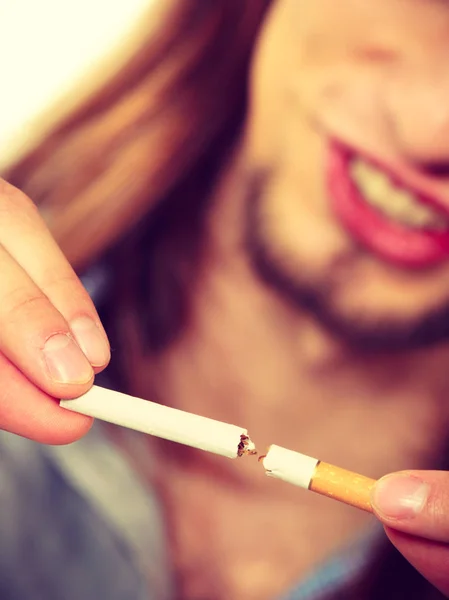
51, 53
120, 136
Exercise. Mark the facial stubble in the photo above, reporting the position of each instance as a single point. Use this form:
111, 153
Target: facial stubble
316, 295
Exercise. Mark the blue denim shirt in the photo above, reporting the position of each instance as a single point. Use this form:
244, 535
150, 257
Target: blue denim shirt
77, 524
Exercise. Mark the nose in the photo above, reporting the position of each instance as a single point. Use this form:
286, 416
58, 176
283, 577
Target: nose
418, 119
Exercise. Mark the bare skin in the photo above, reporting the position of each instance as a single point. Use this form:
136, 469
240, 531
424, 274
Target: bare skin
373, 75
51, 340
234, 532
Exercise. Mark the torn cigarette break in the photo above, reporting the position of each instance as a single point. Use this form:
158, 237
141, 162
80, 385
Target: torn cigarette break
163, 421
320, 477
246, 446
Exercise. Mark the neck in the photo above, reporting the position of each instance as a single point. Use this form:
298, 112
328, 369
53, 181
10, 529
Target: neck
251, 363
250, 359
287, 380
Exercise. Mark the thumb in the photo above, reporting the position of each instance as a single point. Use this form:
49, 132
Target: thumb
415, 502
414, 507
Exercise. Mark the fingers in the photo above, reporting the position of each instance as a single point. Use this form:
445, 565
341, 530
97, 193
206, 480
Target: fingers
43, 306
414, 507
431, 559
415, 502
29, 412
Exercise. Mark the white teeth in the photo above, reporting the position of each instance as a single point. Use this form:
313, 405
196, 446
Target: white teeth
398, 204
403, 200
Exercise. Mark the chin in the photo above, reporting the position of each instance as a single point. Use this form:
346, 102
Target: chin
360, 300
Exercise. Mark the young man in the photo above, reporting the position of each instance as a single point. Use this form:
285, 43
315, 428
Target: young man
315, 310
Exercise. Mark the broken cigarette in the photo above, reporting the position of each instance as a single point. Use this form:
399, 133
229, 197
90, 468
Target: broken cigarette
223, 439
320, 477
163, 421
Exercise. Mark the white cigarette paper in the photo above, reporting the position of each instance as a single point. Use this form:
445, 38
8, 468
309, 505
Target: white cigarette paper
319, 477
292, 467
163, 421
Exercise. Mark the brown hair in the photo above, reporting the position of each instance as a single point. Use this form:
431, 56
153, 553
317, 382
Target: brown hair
130, 169
130, 145
128, 175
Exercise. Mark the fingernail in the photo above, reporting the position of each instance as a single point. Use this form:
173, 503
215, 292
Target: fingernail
400, 496
91, 341
65, 361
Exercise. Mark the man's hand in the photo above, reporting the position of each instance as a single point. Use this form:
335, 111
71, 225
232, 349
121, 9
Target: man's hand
414, 507
51, 339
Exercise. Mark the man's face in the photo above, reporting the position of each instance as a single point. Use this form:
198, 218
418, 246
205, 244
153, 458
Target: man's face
348, 160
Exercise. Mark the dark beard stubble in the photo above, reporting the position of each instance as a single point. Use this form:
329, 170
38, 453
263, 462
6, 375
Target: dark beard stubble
316, 298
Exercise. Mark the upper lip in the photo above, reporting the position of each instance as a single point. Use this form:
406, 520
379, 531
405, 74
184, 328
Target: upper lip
425, 189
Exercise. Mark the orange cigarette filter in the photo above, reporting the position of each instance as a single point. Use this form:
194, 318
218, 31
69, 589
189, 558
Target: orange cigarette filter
320, 477
342, 485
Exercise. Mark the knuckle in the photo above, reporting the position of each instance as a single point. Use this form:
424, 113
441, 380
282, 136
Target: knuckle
65, 289
52, 279
21, 304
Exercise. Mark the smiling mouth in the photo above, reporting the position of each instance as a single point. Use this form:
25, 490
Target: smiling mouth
383, 214
394, 202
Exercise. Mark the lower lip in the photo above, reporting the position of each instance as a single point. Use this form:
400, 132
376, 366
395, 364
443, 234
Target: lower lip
390, 241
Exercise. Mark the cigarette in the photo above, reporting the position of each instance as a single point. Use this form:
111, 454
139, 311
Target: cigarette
320, 477
163, 421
